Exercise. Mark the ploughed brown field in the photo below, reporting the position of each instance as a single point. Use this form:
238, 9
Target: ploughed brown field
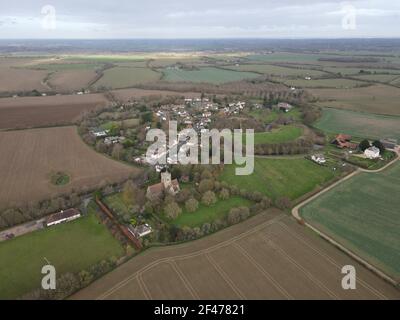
28, 157
267, 257
29, 112
70, 80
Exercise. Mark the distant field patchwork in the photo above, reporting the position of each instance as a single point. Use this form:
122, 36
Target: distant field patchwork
359, 124
363, 214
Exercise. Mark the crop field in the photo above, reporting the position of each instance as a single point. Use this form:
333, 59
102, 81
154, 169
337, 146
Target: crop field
209, 214
29, 157
277, 70
210, 75
379, 99
28, 112
359, 124
266, 257
384, 78
70, 247
290, 178
280, 135
124, 77
363, 214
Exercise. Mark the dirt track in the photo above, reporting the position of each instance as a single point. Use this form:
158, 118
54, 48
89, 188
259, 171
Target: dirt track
28, 157
267, 257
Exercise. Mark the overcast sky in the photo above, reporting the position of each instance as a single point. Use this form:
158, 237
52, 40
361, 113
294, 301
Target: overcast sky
199, 19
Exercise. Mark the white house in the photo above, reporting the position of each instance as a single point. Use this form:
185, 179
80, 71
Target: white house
318, 158
372, 152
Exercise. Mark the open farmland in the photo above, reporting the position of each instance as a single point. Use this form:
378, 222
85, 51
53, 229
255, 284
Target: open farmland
28, 157
210, 75
359, 124
265, 257
379, 99
362, 213
28, 112
70, 247
290, 178
124, 77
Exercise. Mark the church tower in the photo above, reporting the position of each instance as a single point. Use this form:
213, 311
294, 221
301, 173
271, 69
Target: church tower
166, 179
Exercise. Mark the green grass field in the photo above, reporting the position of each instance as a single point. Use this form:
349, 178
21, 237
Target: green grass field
207, 74
70, 247
280, 135
268, 116
363, 214
275, 178
277, 70
124, 77
209, 214
359, 124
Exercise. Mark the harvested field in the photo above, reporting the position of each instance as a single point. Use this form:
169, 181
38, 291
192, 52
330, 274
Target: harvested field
28, 157
29, 112
266, 257
133, 93
71, 80
323, 83
359, 124
379, 99
363, 214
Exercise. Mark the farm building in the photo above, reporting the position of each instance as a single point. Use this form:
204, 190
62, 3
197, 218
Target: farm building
98, 133
286, 107
62, 216
166, 185
344, 141
389, 143
372, 153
